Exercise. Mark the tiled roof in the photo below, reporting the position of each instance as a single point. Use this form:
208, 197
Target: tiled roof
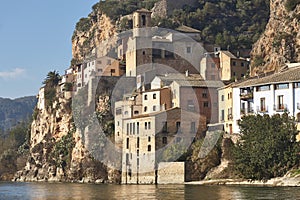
178, 76
200, 83
186, 29
229, 54
143, 10
289, 75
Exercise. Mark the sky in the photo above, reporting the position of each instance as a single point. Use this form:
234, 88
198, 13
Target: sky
35, 38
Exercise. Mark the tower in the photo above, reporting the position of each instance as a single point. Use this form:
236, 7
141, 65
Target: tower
140, 44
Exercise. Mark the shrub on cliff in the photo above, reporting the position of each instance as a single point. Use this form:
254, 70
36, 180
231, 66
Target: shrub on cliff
290, 5
268, 146
51, 82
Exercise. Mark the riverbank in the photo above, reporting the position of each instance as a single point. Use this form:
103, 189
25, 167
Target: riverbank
280, 181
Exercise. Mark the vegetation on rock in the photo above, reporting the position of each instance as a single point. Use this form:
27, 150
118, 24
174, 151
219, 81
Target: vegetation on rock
51, 82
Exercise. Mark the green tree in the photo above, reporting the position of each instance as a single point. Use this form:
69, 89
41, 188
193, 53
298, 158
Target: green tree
268, 146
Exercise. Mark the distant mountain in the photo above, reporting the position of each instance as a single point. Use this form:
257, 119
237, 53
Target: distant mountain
13, 111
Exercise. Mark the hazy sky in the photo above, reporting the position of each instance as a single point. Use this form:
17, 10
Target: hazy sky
35, 38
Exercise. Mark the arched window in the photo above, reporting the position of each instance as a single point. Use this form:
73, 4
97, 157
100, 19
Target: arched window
144, 20
149, 148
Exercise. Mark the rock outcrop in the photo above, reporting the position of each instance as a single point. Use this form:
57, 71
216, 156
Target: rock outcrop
280, 43
57, 149
92, 33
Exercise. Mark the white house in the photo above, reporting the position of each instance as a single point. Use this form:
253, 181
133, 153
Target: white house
273, 94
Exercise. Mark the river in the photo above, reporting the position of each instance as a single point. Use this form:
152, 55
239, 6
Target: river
68, 191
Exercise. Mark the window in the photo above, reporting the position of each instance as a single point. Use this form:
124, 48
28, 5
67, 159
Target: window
242, 75
118, 133
138, 128
222, 115
127, 132
127, 143
118, 123
136, 112
204, 93
145, 97
280, 102
112, 71
233, 63
108, 62
149, 125
145, 109
165, 127
263, 105
149, 139
206, 104
154, 96
263, 88
188, 49
118, 111
144, 52
133, 128
281, 86
126, 113
130, 128
144, 20
178, 127
190, 106
138, 143
222, 98
100, 70
242, 64
154, 108
149, 148
213, 65
146, 126
165, 140
193, 127
297, 85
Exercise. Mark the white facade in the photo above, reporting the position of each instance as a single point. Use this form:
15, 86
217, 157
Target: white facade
270, 99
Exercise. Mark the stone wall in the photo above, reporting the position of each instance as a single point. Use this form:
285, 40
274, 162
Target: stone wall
170, 173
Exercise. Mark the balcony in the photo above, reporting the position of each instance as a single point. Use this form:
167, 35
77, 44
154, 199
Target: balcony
246, 95
262, 109
247, 111
281, 108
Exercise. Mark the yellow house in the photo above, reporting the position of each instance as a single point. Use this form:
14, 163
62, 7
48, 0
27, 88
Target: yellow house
225, 107
232, 67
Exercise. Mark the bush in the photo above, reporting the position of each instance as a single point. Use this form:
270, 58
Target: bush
267, 148
290, 5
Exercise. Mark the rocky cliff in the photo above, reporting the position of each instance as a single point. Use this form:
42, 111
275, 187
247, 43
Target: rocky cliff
57, 147
91, 32
280, 43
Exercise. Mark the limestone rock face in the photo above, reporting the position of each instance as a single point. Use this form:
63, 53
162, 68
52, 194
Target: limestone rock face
57, 152
280, 43
101, 29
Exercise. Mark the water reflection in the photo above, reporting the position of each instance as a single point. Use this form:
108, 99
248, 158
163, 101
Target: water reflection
65, 191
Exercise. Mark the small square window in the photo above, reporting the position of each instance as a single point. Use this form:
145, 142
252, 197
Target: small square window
188, 49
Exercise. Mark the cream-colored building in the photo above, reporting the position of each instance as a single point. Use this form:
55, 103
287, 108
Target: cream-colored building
232, 67
225, 107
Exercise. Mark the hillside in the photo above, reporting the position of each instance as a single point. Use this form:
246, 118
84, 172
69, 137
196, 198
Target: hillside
232, 24
16, 110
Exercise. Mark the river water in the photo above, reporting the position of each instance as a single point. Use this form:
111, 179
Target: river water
68, 191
